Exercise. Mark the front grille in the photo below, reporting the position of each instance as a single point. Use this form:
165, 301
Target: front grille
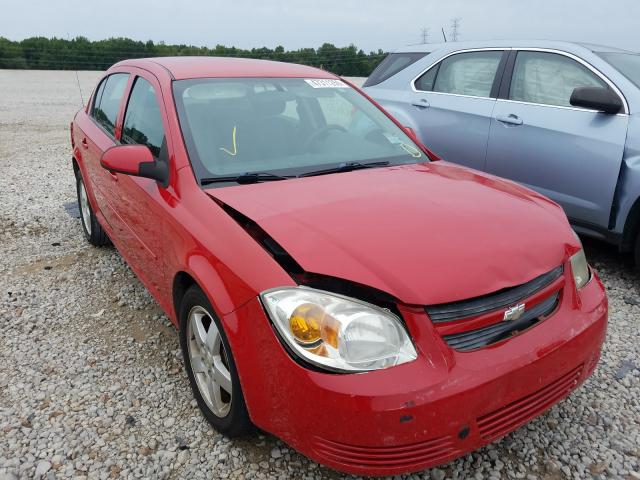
506, 419
482, 337
449, 312
430, 452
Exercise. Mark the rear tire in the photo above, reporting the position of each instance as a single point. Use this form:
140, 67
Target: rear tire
636, 251
210, 366
93, 231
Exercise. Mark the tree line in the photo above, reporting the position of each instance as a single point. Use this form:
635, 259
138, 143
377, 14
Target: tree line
81, 53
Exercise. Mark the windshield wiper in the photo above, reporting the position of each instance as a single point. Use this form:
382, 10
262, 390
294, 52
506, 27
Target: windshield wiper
245, 178
345, 167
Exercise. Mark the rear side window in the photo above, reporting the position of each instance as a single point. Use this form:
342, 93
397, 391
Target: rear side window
108, 98
142, 120
471, 73
549, 78
98, 96
392, 64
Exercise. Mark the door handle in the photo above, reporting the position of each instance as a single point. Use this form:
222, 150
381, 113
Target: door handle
510, 119
84, 142
422, 103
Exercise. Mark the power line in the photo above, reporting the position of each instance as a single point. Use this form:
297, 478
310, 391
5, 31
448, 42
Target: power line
425, 35
98, 65
113, 56
455, 28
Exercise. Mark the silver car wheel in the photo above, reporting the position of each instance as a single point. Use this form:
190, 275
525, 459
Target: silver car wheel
85, 210
209, 361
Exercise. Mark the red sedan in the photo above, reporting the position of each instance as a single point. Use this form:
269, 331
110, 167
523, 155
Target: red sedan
333, 282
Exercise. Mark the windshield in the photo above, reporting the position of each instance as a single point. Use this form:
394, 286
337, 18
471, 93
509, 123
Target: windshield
284, 126
627, 63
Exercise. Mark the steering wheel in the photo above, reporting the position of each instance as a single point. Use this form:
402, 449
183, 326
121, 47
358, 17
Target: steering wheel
322, 132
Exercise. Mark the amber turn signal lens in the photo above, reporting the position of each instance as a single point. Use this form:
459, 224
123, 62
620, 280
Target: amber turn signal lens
305, 323
330, 330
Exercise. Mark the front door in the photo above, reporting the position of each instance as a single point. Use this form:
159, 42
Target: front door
140, 200
537, 138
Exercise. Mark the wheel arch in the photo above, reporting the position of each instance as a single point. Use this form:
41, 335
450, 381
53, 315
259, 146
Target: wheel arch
182, 281
631, 227
199, 271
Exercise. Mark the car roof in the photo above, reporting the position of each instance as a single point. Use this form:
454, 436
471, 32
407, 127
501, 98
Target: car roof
550, 44
186, 67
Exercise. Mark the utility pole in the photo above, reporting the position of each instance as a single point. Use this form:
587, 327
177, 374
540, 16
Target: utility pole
455, 28
425, 35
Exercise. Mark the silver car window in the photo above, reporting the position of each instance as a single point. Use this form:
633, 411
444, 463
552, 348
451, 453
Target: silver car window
549, 78
627, 63
469, 73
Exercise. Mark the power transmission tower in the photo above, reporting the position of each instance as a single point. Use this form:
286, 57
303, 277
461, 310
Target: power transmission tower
455, 28
425, 35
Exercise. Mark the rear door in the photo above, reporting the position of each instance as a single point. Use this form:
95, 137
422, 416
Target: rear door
569, 154
99, 134
452, 102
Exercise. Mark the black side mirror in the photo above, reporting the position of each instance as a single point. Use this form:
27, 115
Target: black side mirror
596, 98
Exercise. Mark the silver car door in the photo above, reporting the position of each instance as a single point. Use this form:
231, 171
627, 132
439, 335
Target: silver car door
537, 138
452, 101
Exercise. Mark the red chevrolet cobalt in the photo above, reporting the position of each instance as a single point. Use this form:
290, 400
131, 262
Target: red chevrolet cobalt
333, 282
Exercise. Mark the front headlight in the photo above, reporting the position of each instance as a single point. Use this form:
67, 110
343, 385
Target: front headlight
580, 269
336, 332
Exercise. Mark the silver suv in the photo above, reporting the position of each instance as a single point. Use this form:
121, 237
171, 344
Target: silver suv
561, 118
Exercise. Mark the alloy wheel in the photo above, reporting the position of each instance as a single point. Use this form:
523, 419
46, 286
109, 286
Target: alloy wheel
85, 210
209, 361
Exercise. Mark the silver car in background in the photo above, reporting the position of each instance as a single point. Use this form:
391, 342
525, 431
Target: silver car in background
561, 118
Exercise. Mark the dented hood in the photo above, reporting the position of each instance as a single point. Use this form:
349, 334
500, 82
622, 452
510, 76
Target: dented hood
425, 233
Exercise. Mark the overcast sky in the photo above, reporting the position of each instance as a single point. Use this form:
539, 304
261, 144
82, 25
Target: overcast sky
369, 24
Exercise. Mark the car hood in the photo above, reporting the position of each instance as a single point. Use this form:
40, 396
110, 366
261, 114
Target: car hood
425, 233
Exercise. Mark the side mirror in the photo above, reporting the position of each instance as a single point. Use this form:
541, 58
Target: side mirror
596, 98
136, 160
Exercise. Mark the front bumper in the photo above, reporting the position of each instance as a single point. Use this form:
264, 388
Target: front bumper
424, 413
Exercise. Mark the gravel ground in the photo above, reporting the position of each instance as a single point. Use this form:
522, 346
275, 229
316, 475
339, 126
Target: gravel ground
91, 376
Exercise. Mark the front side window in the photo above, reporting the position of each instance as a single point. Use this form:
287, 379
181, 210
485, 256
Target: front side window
392, 64
284, 126
470, 73
549, 78
108, 100
627, 63
142, 120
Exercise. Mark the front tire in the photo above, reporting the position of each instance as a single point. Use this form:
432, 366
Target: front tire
93, 231
210, 366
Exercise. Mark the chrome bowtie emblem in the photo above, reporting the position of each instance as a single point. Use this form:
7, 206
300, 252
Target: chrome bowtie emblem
514, 312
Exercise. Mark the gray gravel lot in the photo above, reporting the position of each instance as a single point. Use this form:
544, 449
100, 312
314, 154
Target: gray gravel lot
91, 376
